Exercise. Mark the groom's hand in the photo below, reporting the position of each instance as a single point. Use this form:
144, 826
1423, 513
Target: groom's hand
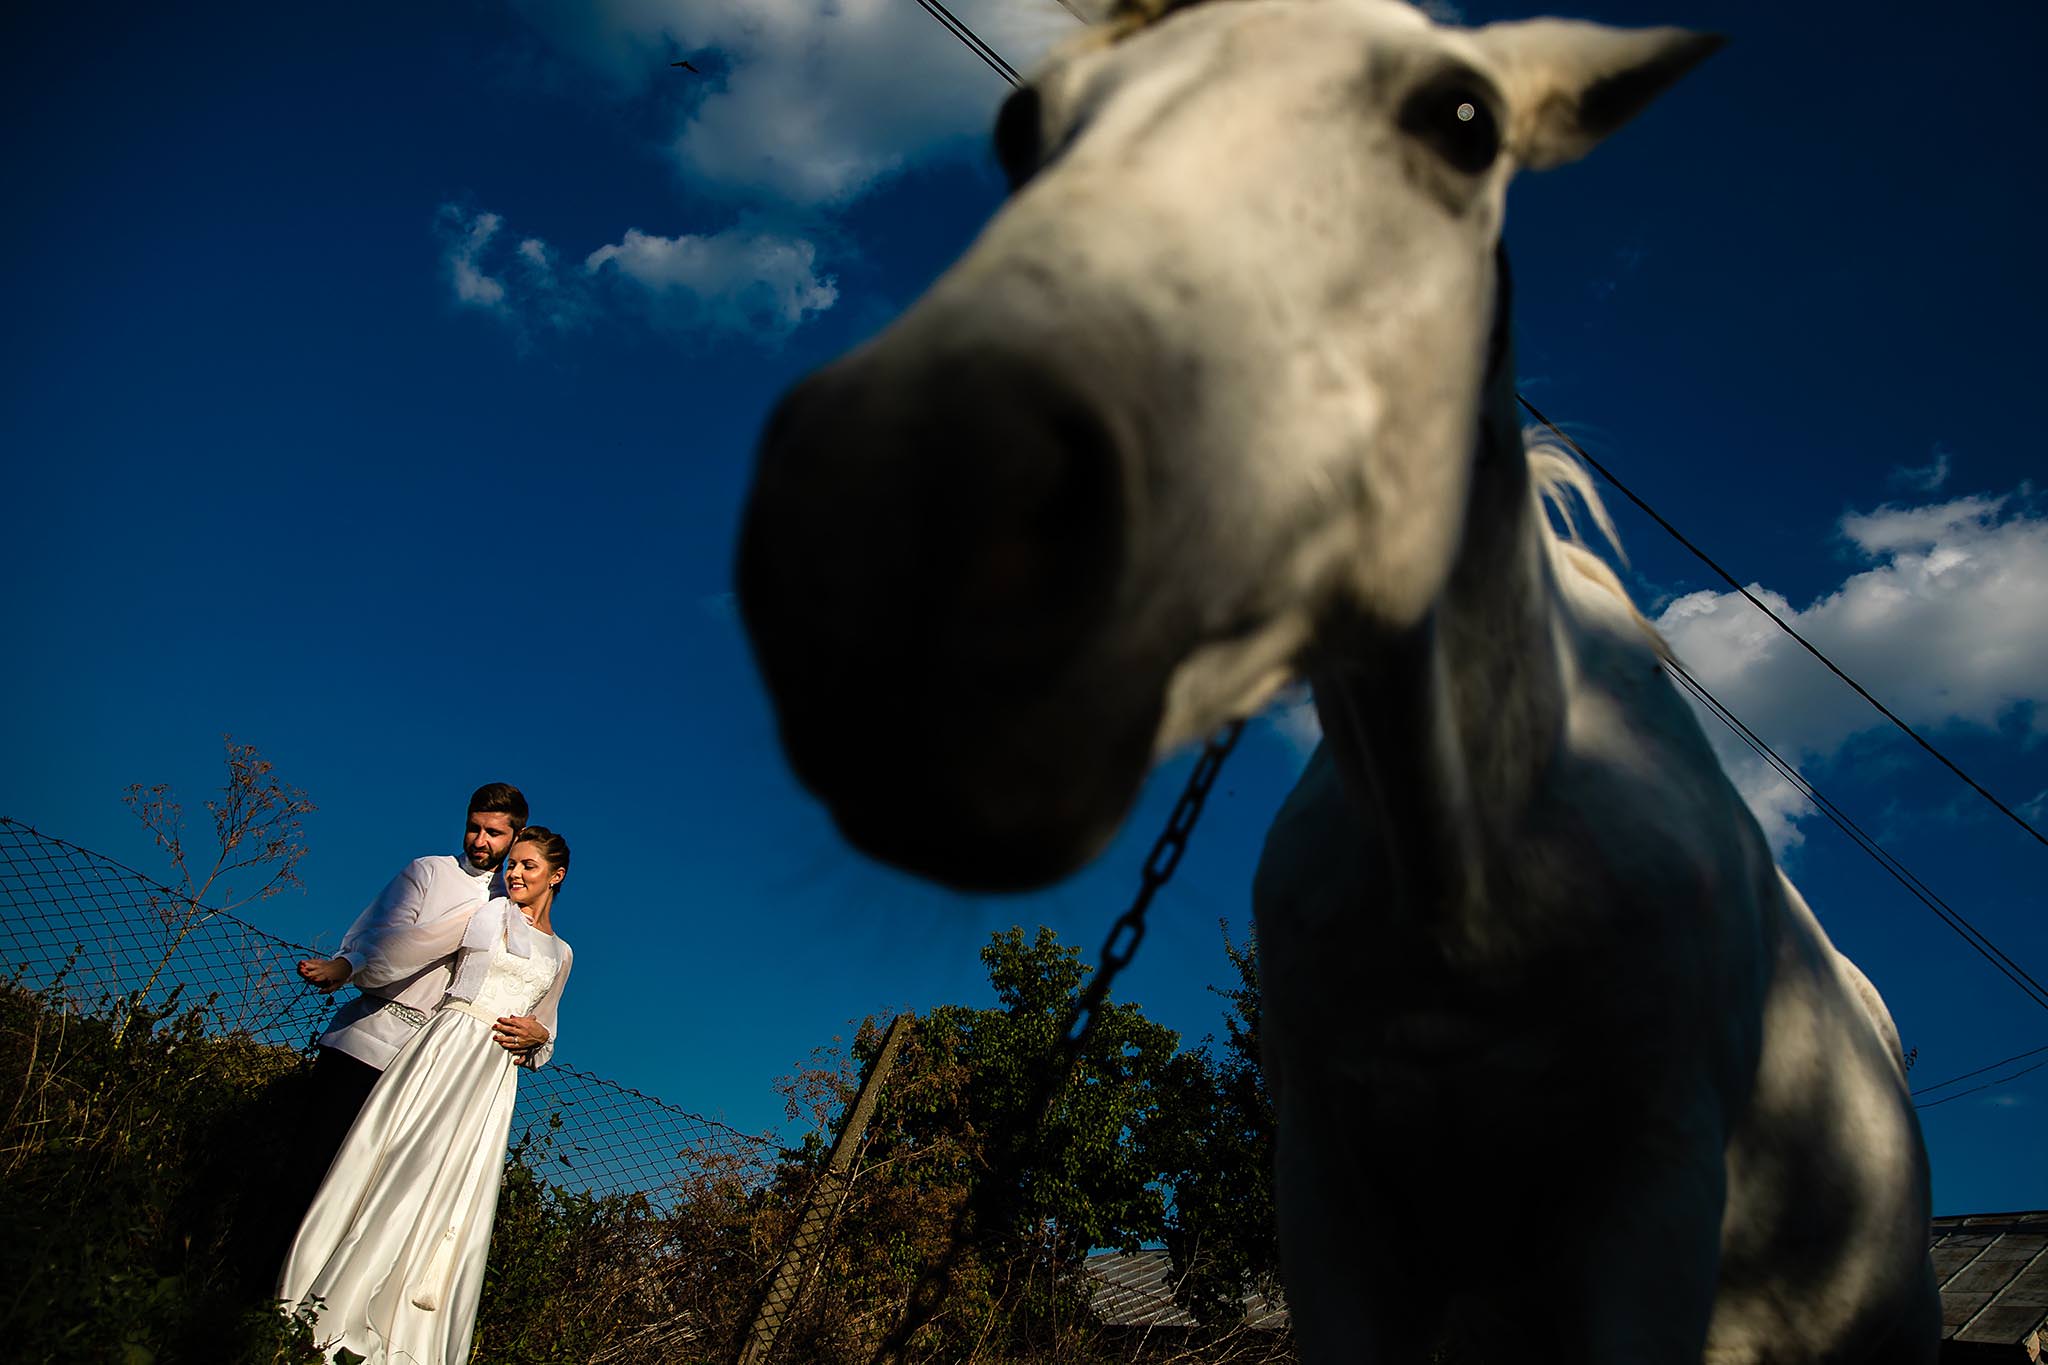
518, 1033
325, 974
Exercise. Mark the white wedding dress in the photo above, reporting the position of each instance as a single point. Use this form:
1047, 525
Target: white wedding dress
394, 1243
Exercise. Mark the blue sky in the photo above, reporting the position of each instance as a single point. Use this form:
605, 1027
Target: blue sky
380, 386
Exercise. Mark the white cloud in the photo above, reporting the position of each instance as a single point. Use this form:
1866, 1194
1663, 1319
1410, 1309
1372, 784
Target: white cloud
741, 280
1903, 528
794, 105
737, 280
1947, 624
473, 288
805, 101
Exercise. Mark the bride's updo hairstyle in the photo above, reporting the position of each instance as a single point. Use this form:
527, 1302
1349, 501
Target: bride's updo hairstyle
553, 847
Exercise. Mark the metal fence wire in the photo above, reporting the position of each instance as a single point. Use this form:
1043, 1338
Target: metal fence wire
729, 1246
97, 932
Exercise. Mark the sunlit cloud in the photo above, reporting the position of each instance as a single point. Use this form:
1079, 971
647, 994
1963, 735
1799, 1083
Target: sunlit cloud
740, 281
736, 280
1947, 623
473, 288
803, 101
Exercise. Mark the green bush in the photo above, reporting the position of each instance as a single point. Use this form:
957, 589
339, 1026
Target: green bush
131, 1160
145, 1171
562, 1266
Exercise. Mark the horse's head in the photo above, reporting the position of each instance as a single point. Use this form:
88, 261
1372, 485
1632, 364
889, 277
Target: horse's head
1209, 381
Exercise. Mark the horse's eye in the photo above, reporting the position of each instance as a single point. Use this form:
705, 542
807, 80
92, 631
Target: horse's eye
1457, 122
1018, 136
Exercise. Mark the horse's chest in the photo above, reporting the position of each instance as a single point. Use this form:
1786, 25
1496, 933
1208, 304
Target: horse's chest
1361, 1002
1573, 977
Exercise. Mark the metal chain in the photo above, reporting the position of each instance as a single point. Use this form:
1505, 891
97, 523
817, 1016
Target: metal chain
1129, 930
1159, 868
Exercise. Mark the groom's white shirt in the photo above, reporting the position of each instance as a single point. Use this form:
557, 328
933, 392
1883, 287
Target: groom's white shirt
390, 1010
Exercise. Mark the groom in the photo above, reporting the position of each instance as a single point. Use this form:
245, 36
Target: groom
366, 1033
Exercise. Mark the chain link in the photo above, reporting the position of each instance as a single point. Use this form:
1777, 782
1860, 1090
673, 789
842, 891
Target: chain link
1129, 929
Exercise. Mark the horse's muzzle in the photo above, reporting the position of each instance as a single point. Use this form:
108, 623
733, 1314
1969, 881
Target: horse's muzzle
924, 570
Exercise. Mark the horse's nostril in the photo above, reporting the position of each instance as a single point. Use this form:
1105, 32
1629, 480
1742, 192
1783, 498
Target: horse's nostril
923, 527
1036, 520
935, 537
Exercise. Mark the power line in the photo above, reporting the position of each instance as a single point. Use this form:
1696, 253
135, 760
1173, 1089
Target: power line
1782, 624
988, 55
2003, 1080
2016, 1057
1884, 858
1920, 891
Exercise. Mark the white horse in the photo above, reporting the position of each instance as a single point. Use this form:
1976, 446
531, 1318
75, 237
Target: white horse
1224, 397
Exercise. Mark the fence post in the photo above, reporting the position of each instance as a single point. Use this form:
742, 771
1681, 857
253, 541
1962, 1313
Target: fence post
798, 1258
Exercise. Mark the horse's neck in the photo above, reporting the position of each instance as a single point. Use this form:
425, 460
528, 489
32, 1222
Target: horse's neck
1441, 734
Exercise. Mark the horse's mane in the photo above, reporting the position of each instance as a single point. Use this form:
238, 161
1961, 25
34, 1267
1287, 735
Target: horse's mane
1556, 475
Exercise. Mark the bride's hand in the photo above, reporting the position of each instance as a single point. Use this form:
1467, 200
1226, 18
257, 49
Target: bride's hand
518, 1033
325, 974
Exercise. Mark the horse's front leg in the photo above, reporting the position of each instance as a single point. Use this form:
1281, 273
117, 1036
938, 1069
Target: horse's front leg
1629, 1275
1358, 1292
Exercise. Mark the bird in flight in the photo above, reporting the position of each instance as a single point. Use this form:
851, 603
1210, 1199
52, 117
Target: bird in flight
686, 66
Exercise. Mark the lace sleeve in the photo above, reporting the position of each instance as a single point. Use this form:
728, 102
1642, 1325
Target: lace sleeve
548, 1012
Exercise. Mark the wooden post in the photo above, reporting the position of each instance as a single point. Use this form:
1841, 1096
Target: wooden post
800, 1259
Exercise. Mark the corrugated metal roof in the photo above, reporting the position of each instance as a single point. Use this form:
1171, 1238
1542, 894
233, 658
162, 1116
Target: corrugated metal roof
1136, 1290
1992, 1269
1993, 1272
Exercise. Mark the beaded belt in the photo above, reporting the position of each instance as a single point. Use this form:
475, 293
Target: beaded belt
469, 1008
406, 1013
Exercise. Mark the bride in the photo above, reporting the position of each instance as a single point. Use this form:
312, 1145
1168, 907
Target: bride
393, 1246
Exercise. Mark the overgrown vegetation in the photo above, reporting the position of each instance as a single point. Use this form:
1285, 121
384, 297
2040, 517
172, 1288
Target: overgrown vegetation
148, 1185
133, 1161
141, 1168
956, 1189
961, 1179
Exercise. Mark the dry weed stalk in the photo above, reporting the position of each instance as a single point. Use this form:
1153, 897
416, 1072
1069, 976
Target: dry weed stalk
258, 827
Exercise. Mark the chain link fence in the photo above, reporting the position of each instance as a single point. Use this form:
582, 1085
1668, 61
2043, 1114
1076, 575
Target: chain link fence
100, 933
705, 1242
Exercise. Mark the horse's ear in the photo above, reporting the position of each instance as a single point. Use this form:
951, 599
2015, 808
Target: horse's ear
1569, 84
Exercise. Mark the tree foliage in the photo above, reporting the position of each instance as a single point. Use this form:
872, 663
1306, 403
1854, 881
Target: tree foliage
1214, 1145
963, 1179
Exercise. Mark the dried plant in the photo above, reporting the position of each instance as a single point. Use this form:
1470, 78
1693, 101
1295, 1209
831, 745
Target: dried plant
258, 828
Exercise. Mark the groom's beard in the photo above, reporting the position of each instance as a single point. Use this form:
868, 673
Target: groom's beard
482, 861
